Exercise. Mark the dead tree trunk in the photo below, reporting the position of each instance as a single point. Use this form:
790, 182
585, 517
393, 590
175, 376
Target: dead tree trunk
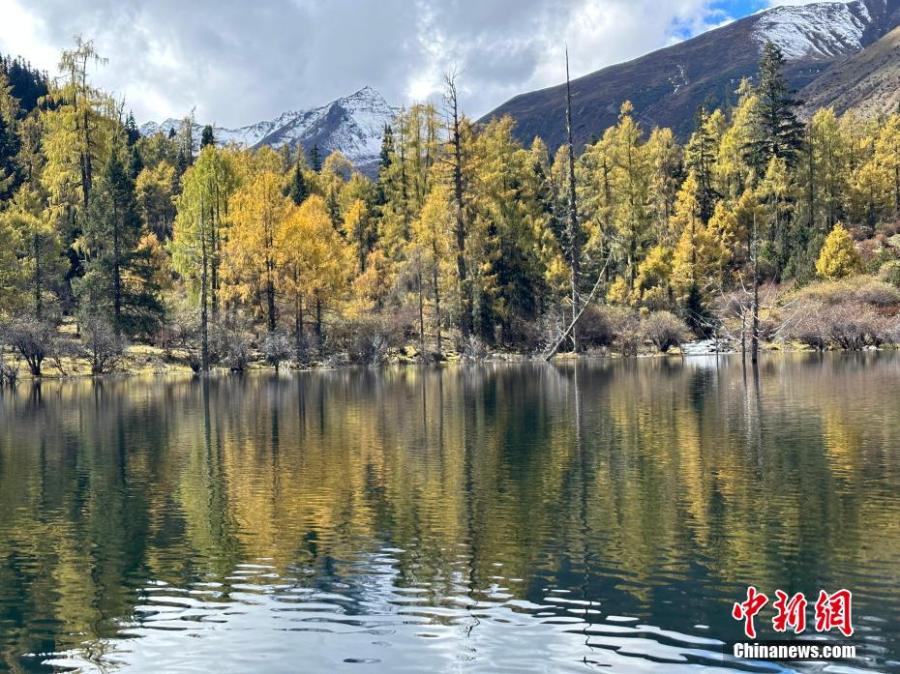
465, 319
577, 317
574, 242
754, 337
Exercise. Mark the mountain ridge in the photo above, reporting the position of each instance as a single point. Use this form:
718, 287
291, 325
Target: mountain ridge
667, 86
867, 82
352, 124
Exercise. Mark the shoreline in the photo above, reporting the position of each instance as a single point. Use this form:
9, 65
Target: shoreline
166, 367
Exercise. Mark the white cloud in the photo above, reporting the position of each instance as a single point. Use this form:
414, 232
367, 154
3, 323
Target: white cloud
240, 61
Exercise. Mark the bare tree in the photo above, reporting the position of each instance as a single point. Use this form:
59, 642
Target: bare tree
465, 291
572, 228
754, 336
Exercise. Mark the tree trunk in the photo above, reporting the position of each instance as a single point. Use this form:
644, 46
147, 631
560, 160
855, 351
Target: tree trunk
421, 313
204, 327
298, 324
38, 278
117, 273
319, 322
754, 338
811, 194
465, 319
270, 305
574, 242
214, 245
437, 304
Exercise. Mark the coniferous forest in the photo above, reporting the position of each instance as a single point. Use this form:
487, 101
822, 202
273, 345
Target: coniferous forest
119, 251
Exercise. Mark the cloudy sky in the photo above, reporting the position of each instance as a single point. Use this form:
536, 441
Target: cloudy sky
240, 61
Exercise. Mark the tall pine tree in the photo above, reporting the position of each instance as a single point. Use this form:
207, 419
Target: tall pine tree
779, 132
118, 281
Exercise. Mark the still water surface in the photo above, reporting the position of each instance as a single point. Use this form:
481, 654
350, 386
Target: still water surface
469, 519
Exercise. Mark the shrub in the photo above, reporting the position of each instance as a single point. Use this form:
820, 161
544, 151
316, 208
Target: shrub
100, 344
230, 343
627, 328
182, 329
32, 340
276, 348
8, 373
892, 331
664, 330
598, 325
524, 334
367, 339
852, 326
890, 273
475, 349
861, 289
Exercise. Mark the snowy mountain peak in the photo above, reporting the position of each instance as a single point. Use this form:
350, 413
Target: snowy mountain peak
353, 125
366, 92
820, 30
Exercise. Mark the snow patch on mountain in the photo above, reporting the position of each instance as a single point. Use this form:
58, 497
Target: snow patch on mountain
821, 30
353, 125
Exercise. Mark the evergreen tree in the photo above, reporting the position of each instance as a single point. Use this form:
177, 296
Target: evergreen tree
297, 189
36, 249
700, 156
9, 148
27, 84
779, 133
387, 147
185, 143
207, 137
315, 159
132, 134
117, 283
135, 162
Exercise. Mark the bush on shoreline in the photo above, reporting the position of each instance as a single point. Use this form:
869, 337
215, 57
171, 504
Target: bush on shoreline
851, 314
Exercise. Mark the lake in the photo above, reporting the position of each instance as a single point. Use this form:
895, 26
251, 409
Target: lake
495, 518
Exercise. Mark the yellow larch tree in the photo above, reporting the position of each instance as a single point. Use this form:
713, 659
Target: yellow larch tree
257, 210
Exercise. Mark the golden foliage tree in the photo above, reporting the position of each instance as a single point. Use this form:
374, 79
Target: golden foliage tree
839, 257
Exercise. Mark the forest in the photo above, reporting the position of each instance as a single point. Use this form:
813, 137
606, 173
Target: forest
119, 251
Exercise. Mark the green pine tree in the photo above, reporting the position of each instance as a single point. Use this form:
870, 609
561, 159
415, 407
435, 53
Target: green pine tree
9, 148
779, 132
117, 284
207, 137
315, 159
297, 188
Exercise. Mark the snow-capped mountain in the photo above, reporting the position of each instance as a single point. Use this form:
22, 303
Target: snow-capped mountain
821, 30
668, 85
354, 125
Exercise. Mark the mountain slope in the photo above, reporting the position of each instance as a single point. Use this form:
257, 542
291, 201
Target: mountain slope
353, 125
667, 86
867, 82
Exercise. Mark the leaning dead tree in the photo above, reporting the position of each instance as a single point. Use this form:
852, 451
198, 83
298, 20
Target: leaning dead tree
590, 298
